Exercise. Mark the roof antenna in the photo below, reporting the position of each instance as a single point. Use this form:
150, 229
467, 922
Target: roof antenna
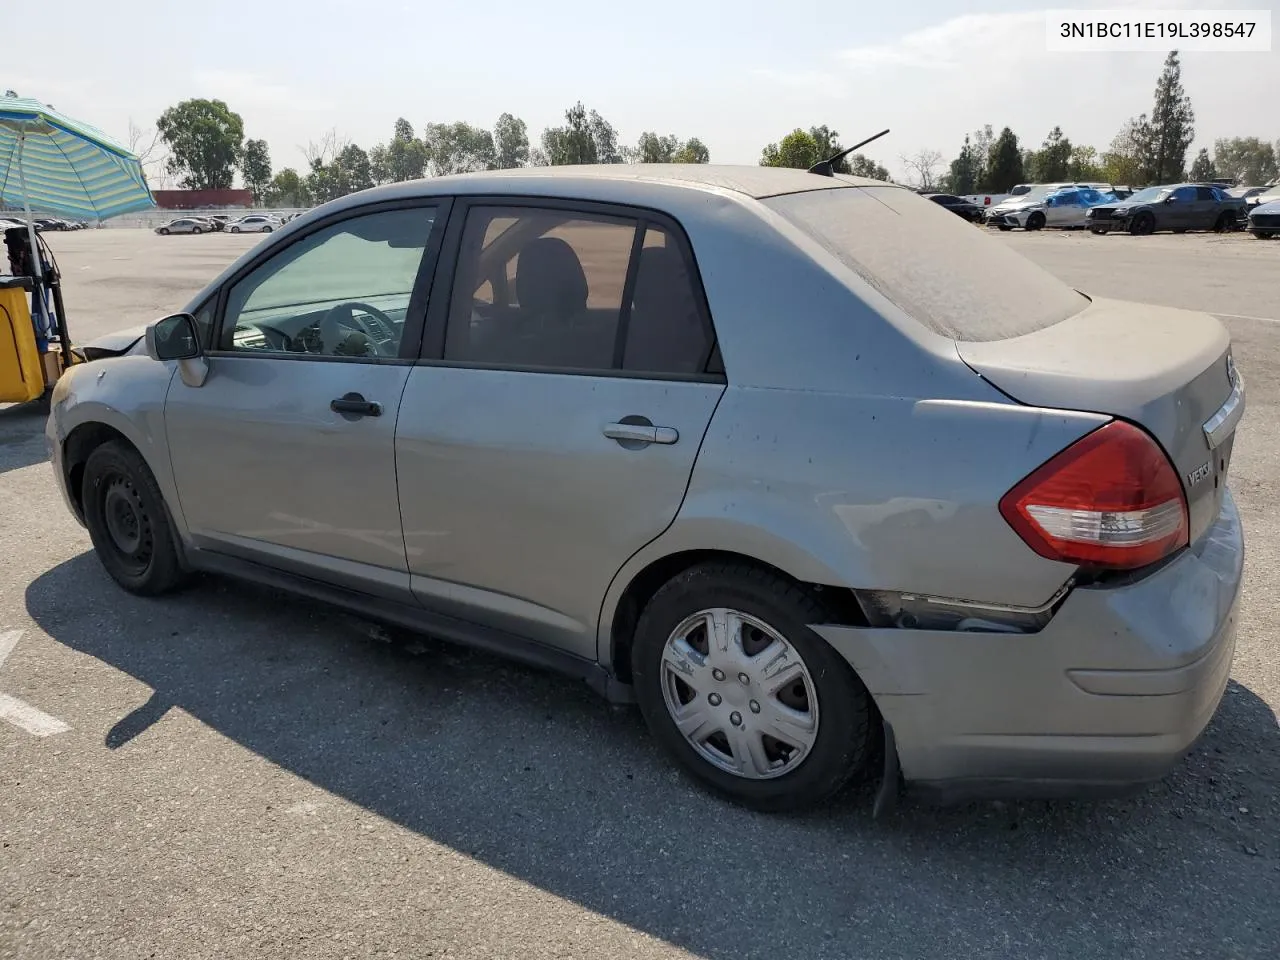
826, 168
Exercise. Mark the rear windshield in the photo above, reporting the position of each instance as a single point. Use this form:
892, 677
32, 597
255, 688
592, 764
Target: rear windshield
941, 270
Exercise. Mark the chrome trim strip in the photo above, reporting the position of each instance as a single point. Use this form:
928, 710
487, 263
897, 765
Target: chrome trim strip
994, 607
1218, 427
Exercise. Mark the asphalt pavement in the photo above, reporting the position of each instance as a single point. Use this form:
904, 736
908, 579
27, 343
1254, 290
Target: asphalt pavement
234, 773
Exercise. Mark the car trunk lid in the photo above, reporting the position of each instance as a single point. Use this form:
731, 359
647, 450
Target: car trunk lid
1167, 370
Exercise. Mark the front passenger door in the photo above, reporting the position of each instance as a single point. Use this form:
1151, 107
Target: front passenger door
285, 454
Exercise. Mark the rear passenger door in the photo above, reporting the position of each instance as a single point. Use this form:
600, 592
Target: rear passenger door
550, 428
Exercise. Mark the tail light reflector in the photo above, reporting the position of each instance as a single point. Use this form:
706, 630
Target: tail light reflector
1111, 499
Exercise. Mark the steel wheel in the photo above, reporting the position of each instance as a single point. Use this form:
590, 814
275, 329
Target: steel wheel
740, 694
128, 523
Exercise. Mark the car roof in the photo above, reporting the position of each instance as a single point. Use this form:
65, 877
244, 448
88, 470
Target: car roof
755, 182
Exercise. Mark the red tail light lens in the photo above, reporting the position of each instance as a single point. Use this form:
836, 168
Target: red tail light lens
1111, 499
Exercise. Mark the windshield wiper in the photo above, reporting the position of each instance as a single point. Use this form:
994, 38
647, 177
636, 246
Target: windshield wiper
826, 168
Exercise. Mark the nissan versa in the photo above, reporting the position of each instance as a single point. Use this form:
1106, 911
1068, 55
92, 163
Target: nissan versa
823, 478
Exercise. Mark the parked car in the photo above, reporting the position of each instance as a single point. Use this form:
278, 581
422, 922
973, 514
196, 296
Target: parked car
957, 205
1028, 209
1264, 220
1177, 207
219, 221
722, 499
183, 225
52, 224
1269, 194
255, 223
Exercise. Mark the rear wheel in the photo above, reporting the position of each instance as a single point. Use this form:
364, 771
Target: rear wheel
738, 689
1224, 222
266, 229
1035, 221
124, 511
196, 230
1143, 225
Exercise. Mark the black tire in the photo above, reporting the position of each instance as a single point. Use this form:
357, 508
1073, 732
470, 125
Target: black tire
196, 230
266, 229
164, 231
1224, 222
1262, 234
123, 505
235, 229
1035, 221
1003, 227
1143, 225
1097, 231
847, 719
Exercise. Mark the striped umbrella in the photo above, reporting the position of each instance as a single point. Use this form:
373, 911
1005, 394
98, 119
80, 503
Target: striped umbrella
54, 164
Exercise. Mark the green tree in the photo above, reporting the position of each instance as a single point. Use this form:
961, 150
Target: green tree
965, 170
585, 138
1247, 160
1085, 164
1128, 160
798, 149
406, 155
287, 189
510, 142
1052, 162
652, 148
204, 139
692, 150
862, 166
255, 166
458, 148
1004, 164
1202, 167
1172, 124
348, 171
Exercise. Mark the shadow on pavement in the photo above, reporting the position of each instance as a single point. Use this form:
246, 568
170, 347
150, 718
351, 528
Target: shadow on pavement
22, 434
530, 774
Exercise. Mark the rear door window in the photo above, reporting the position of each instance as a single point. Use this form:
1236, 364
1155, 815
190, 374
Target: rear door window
952, 279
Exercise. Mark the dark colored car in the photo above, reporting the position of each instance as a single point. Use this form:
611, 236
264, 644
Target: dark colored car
1177, 207
1264, 220
957, 205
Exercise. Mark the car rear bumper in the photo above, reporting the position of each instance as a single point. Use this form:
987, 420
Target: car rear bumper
1109, 695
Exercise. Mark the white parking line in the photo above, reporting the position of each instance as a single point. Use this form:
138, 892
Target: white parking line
23, 715
1242, 316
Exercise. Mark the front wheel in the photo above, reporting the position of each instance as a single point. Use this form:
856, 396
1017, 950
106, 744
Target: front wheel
1143, 225
196, 230
164, 231
124, 511
738, 689
235, 229
1035, 221
1097, 231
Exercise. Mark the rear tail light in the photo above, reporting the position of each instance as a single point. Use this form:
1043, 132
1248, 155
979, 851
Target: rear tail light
1111, 500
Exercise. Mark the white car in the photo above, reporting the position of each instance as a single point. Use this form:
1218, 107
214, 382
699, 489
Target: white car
1031, 211
256, 223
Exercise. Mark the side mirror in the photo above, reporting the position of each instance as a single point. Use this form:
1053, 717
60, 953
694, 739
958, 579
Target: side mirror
1170, 199
173, 338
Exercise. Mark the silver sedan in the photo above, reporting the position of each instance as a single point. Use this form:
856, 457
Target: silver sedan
826, 481
183, 225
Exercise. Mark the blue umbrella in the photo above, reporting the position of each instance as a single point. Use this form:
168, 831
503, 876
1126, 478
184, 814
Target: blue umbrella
59, 165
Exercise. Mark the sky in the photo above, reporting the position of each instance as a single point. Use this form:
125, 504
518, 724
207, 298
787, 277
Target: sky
737, 74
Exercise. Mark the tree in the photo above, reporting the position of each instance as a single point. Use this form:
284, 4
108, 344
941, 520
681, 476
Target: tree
338, 167
1202, 167
692, 150
287, 189
1128, 160
1085, 164
965, 170
1172, 124
458, 148
861, 166
404, 158
585, 138
652, 148
798, 149
1247, 160
1052, 162
204, 138
510, 143
923, 165
255, 166
1004, 164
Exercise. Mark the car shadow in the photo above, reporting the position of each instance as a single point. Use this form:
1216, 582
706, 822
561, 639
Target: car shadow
22, 440
531, 774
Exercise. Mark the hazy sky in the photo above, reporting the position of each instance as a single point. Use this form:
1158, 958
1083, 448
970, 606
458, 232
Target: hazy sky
736, 74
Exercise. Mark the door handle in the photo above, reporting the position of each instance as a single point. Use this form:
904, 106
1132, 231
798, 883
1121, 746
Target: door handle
641, 433
353, 404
